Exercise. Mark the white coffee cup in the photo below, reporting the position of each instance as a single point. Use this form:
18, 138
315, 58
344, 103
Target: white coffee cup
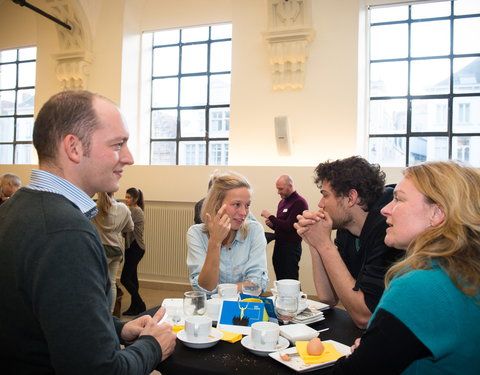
264, 335
213, 308
228, 291
197, 328
287, 287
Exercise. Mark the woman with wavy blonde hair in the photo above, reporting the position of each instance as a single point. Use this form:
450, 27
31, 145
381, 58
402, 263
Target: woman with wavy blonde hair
228, 247
113, 220
427, 319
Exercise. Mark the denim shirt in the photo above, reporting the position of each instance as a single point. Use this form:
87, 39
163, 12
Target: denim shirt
245, 257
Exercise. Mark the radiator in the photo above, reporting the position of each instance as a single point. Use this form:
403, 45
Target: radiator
166, 225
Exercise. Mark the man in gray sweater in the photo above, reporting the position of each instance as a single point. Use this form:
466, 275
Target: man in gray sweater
55, 316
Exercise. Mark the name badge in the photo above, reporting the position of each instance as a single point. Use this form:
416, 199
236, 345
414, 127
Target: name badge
285, 210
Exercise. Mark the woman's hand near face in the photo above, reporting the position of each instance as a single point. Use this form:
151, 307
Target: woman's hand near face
219, 226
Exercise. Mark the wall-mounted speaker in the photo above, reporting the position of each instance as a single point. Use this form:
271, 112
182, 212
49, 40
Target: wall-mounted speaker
282, 135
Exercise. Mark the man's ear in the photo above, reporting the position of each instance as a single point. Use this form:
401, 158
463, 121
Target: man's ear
438, 216
352, 197
73, 148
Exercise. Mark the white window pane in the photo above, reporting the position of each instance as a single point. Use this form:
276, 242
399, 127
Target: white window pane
194, 58
219, 126
466, 7
467, 150
221, 31
6, 154
388, 78
6, 129
26, 74
192, 153
165, 61
466, 114
388, 116
29, 53
389, 41
429, 115
424, 149
218, 153
25, 101
390, 13
220, 89
195, 34
192, 123
430, 77
164, 124
388, 152
23, 154
9, 55
466, 35
24, 128
431, 10
165, 92
166, 37
465, 75
163, 153
193, 91
7, 102
221, 56
8, 76
430, 38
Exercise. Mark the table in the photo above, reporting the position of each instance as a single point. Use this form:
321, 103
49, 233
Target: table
227, 358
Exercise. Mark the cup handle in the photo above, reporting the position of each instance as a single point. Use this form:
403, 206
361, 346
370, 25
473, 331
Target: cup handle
303, 295
262, 338
195, 331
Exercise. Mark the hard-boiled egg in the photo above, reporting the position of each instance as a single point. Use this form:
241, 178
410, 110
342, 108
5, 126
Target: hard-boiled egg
315, 347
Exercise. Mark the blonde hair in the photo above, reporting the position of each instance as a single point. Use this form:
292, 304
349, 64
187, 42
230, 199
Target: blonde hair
104, 202
455, 243
222, 183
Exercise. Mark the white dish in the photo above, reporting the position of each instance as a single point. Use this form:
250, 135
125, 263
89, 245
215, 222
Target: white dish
296, 362
214, 337
247, 343
298, 332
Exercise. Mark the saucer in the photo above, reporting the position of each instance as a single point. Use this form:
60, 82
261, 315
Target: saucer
283, 343
214, 337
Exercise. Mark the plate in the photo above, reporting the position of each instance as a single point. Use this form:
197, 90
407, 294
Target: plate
296, 363
298, 332
247, 343
214, 337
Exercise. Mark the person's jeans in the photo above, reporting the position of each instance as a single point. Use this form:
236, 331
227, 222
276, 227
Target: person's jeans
113, 264
129, 277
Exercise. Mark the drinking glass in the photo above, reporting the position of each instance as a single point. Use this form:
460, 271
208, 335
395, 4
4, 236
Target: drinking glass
286, 308
251, 286
194, 303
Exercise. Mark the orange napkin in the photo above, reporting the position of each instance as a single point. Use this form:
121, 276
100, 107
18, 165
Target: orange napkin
329, 354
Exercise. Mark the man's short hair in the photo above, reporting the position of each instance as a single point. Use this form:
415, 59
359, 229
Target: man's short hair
12, 178
68, 112
353, 173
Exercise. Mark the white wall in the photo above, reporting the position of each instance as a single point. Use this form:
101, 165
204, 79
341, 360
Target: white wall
323, 116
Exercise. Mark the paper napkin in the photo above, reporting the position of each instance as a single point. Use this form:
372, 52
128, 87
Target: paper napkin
230, 336
329, 354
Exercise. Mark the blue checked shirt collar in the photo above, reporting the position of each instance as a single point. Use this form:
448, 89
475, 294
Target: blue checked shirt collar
46, 181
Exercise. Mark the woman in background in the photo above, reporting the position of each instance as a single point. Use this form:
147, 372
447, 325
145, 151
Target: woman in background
427, 321
228, 247
112, 220
135, 251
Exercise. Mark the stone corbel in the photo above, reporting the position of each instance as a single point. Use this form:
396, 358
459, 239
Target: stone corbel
288, 39
73, 69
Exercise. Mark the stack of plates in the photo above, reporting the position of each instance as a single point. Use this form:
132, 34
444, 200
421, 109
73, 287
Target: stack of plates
313, 313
